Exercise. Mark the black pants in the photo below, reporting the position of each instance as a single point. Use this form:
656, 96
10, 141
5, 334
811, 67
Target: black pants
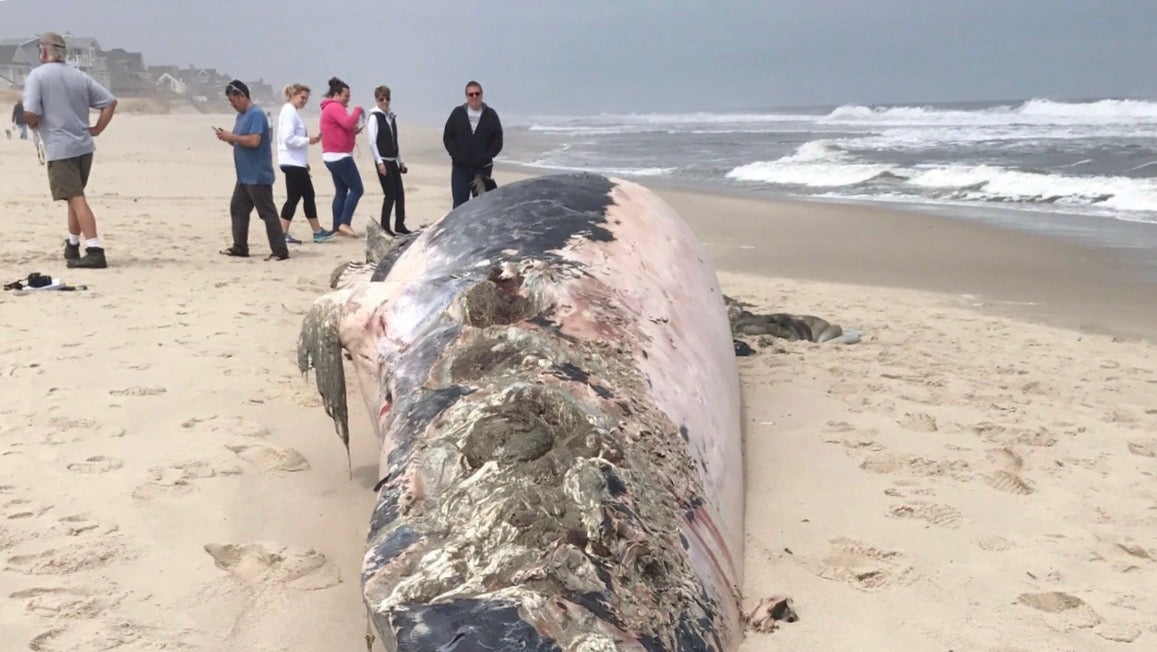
245, 198
394, 195
298, 186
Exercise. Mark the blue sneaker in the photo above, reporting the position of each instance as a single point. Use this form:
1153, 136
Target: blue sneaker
291, 240
322, 236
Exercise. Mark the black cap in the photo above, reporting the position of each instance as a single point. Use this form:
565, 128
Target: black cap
237, 86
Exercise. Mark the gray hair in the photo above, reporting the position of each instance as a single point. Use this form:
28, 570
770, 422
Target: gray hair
54, 44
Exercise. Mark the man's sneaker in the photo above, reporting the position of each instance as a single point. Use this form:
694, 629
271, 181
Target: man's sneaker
322, 236
291, 240
93, 259
71, 251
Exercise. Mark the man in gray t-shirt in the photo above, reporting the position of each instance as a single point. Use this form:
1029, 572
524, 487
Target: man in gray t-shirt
57, 98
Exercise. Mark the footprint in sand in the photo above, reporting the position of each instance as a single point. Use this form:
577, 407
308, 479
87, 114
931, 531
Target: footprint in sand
934, 513
864, 567
78, 524
256, 564
1009, 483
994, 543
67, 526
138, 391
1007, 476
998, 434
266, 458
21, 508
110, 632
1121, 416
853, 439
1143, 447
69, 423
919, 422
1076, 613
7, 539
64, 430
1005, 458
890, 463
178, 479
96, 464
1124, 557
1052, 602
60, 438
229, 425
68, 559
1118, 632
68, 603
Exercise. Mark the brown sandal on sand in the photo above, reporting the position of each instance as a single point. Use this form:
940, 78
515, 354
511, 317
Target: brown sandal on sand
233, 252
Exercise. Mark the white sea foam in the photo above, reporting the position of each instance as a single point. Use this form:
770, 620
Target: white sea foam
992, 183
813, 175
1019, 136
817, 164
1032, 112
823, 164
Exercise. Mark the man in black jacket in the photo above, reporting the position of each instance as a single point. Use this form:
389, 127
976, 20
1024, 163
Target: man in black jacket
473, 137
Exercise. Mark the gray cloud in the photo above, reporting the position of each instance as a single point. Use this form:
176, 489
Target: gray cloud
550, 56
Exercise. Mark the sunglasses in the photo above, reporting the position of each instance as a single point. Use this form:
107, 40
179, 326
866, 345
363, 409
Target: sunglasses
233, 90
474, 94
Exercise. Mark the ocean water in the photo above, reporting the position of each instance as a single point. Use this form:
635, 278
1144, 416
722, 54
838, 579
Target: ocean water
1086, 169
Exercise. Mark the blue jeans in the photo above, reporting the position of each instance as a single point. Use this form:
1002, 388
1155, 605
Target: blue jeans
348, 190
23, 131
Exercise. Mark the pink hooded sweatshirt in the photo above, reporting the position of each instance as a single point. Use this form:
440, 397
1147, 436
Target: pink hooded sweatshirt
337, 127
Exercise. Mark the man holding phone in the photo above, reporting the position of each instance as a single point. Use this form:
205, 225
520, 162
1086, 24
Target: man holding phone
253, 159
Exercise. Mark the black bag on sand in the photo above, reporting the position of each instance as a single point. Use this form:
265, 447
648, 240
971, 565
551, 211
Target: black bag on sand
34, 280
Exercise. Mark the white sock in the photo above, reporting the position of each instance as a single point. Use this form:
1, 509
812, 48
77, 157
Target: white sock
92, 242
73, 238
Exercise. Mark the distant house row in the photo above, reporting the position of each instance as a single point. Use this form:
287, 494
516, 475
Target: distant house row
123, 72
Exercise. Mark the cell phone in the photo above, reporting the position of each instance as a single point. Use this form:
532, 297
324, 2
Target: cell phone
215, 129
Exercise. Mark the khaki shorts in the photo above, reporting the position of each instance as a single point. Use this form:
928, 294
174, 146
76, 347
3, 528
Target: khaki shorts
68, 177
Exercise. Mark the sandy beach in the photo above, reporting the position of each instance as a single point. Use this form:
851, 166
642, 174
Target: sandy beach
976, 474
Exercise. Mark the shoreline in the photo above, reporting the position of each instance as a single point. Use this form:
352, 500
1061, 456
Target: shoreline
1001, 270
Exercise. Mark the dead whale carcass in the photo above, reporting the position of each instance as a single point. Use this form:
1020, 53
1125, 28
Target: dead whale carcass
551, 376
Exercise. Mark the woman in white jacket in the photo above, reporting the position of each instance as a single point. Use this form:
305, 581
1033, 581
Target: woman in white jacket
293, 143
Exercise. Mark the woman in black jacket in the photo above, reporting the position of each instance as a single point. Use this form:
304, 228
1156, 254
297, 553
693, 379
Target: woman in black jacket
383, 133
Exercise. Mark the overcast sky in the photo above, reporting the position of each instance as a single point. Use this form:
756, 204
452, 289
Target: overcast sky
577, 56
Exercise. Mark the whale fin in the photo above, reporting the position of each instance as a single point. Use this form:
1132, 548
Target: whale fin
319, 348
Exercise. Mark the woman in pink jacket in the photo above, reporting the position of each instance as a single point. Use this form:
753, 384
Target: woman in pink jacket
338, 130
